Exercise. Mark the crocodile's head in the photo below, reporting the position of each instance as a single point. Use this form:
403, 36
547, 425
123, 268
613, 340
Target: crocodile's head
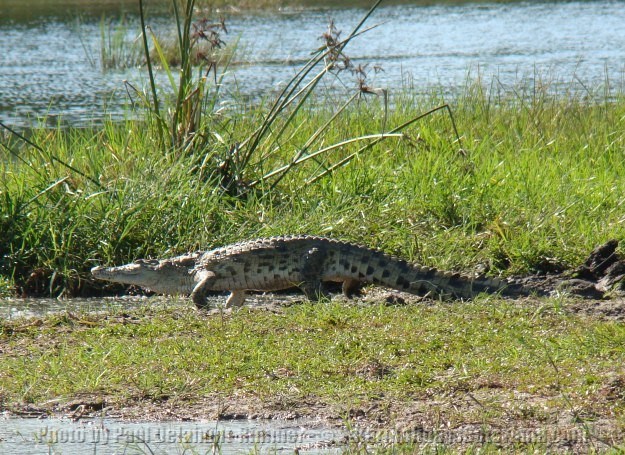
169, 276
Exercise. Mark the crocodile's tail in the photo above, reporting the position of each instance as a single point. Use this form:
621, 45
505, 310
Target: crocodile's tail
424, 280
376, 267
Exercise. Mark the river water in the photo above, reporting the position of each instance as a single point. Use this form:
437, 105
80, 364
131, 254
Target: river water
50, 59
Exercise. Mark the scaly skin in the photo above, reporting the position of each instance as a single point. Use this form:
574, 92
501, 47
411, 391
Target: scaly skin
305, 262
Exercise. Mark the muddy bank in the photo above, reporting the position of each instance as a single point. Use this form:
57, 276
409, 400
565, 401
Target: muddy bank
453, 419
600, 276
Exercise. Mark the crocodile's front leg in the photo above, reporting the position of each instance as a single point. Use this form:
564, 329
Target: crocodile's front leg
206, 279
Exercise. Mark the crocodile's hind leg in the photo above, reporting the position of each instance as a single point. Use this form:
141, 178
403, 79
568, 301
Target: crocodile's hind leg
235, 299
351, 287
199, 292
311, 284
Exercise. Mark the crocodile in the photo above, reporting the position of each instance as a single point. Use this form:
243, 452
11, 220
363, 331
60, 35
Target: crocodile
301, 261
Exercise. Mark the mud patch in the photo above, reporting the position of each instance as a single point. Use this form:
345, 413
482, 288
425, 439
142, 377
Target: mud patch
493, 416
601, 309
601, 276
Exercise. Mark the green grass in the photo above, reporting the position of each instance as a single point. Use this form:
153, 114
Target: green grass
538, 181
344, 353
341, 356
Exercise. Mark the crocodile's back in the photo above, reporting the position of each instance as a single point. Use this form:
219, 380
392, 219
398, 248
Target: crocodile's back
267, 264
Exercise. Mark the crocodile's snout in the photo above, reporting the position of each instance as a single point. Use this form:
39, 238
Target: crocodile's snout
124, 270
156, 276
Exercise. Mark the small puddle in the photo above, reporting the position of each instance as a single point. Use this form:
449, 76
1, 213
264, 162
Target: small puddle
14, 308
104, 436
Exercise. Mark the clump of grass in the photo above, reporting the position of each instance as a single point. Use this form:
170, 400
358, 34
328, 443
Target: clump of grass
208, 50
117, 51
183, 129
233, 164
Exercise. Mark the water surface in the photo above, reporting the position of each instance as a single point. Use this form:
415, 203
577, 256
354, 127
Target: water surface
50, 63
108, 436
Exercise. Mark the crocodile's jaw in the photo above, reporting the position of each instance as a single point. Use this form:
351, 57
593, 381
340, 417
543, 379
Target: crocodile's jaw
164, 277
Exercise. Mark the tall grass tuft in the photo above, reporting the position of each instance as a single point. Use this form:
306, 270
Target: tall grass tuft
237, 164
116, 50
185, 129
